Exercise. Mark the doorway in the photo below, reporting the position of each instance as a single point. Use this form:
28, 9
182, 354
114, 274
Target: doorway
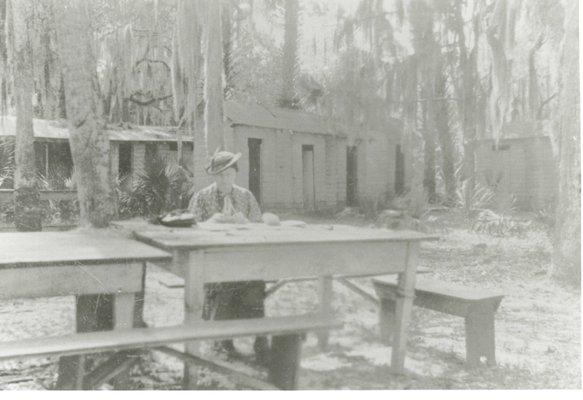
351, 176
308, 177
254, 146
399, 171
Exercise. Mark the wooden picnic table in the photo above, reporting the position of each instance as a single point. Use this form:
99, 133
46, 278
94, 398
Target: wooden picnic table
226, 253
78, 263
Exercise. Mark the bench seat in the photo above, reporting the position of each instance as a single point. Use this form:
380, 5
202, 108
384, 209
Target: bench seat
125, 339
476, 306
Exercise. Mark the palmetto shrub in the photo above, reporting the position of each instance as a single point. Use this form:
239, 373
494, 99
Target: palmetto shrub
160, 187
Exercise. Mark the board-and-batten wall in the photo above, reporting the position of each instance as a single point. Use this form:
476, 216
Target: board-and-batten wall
281, 166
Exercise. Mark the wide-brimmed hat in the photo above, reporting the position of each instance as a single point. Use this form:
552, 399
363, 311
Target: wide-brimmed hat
220, 161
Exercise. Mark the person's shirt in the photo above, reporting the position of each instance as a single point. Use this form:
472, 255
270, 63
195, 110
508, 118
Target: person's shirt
210, 201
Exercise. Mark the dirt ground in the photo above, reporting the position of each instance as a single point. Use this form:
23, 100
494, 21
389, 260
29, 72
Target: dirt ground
537, 327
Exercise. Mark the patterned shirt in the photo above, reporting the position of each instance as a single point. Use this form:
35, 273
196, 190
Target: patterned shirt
210, 201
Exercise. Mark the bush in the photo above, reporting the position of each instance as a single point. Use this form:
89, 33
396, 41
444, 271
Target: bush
162, 186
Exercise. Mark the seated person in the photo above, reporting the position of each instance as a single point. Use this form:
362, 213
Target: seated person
223, 201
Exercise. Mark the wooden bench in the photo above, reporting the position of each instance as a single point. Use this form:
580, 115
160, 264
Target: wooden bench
285, 332
476, 306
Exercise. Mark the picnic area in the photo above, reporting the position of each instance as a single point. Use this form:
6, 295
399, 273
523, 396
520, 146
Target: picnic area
289, 195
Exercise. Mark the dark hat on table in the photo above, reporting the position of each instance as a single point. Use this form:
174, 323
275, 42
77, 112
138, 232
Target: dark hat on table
222, 160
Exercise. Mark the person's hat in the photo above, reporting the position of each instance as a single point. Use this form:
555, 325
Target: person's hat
220, 161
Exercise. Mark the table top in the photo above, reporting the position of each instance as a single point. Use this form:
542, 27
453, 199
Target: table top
72, 247
211, 235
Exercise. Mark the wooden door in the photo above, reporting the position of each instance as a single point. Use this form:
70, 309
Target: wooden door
351, 176
255, 167
308, 177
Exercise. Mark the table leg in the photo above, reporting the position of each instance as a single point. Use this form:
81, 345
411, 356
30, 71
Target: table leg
140, 298
403, 308
193, 266
93, 313
285, 364
325, 308
123, 318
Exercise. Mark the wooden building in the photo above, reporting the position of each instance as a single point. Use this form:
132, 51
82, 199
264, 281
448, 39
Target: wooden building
523, 168
130, 147
292, 160
298, 160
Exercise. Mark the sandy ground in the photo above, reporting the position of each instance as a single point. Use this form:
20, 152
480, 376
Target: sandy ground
537, 327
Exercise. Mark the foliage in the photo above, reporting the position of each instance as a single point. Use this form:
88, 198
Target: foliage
162, 186
499, 224
6, 162
481, 197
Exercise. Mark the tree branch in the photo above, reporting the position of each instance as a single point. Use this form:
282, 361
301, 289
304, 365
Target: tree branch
148, 102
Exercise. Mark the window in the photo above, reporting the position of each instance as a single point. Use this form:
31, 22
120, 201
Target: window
125, 159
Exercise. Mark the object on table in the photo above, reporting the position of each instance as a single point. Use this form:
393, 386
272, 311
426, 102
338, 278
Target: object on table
177, 219
222, 218
294, 223
270, 219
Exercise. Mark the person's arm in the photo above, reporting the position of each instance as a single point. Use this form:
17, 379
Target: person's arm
254, 210
196, 207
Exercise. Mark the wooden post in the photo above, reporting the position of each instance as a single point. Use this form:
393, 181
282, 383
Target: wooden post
325, 293
387, 320
403, 308
480, 337
93, 313
285, 361
193, 266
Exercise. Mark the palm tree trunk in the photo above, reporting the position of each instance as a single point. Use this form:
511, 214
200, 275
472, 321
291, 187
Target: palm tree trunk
567, 243
27, 211
213, 89
290, 54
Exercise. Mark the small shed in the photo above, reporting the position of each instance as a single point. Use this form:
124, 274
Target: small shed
521, 167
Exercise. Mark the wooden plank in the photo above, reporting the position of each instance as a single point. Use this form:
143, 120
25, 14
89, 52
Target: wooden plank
357, 289
92, 342
23, 249
220, 367
445, 289
109, 369
285, 361
206, 235
275, 262
70, 280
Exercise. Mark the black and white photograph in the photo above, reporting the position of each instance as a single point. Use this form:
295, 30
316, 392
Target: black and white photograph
290, 195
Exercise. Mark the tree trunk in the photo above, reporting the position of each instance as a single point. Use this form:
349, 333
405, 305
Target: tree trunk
213, 89
91, 152
89, 143
567, 240
3, 60
429, 149
27, 211
442, 122
290, 55
467, 103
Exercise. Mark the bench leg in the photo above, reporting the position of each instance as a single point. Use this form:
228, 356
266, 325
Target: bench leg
403, 308
325, 292
480, 338
285, 361
387, 320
